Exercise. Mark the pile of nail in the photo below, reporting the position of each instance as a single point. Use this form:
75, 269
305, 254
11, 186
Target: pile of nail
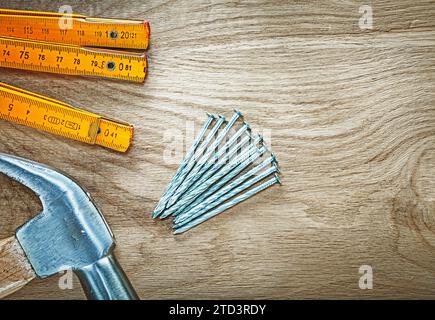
225, 166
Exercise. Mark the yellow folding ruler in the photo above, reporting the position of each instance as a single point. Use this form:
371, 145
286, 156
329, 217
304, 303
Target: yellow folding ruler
73, 44
33, 110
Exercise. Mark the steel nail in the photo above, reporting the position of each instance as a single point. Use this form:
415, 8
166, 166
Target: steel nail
221, 194
219, 180
197, 173
190, 164
233, 202
204, 181
193, 176
189, 155
197, 178
236, 188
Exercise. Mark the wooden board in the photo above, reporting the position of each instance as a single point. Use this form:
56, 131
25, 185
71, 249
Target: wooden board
351, 115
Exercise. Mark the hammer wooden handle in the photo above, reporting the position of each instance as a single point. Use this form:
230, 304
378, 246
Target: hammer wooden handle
15, 269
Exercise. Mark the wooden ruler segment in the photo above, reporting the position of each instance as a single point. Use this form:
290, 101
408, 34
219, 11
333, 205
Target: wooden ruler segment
72, 60
50, 115
75, 29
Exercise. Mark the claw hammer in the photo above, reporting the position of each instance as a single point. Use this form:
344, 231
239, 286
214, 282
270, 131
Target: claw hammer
69, 234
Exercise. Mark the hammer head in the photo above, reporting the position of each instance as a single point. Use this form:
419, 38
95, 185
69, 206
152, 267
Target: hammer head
70, 232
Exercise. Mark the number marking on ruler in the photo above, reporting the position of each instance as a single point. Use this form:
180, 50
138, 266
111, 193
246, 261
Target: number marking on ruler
83, 31
72, 60
43, 113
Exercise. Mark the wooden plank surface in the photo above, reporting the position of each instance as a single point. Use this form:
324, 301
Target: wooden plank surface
351, 116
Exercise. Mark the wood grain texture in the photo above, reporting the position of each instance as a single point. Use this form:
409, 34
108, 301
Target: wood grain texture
15, 269
351, 116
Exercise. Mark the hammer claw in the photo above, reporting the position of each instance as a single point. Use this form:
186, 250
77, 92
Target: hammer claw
44, 181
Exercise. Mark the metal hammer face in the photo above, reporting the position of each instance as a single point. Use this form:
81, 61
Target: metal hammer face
69, 234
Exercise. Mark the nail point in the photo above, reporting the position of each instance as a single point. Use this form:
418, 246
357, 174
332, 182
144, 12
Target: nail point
155, 214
